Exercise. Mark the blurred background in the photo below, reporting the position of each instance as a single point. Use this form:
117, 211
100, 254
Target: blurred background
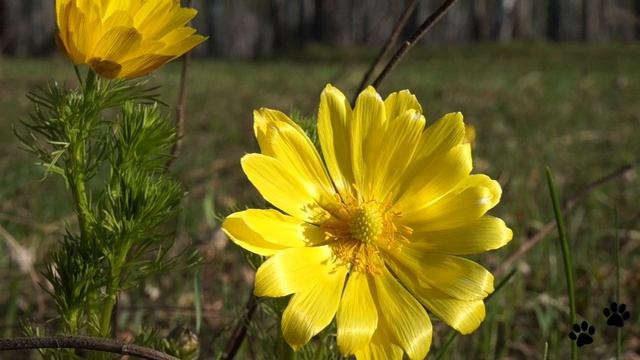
259, 28
544, 82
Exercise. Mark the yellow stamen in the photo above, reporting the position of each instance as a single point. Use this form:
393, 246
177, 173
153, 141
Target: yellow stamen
362, 230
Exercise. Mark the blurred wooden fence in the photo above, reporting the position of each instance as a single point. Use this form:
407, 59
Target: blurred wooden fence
250, 28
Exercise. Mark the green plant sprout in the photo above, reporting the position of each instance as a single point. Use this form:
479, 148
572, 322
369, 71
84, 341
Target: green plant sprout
109, 141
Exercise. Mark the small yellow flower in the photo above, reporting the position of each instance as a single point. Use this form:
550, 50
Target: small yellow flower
124, 38
371, 232
470, 135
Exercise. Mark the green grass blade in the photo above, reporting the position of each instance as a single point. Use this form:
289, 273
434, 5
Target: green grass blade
452, 336
197, 293
566, 255
618, 299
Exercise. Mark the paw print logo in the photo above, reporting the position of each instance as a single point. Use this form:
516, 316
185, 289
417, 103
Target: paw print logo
616, 315
582, 334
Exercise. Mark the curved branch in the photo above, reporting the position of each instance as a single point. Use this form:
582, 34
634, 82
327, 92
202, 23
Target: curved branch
400, 25
85, 343
415, 37
240, 331
181, 110
181, 106
569, 204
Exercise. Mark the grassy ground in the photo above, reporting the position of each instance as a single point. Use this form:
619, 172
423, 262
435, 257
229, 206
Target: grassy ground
573, 108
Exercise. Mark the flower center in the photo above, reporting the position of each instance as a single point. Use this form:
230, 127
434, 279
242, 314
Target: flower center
367, 224
360, 231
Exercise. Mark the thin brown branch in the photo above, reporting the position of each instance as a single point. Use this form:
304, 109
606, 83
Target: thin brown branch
85, 343
413, 40
528, 244
181, 110
181, 105
240, 331
578, 195
573, 200
400, 25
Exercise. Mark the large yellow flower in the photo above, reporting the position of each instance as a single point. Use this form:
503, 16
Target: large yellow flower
371, 232
124, 38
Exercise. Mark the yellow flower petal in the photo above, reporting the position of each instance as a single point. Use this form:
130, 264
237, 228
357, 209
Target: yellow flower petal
443, 135
266, 232
333, 116
85, 29
177, 35
65, 12
464, 316
432, 178
179, 47
470, 134
293, 270
470, 201
394, 156
454, 276
112, 6
357, 316
63, 8
312, 310
150, 11
367, 135
60, 4
117, 19
484, 234
116, 42
142, 65
380, 347
405, 319
458, 277
283, 187
282, 139
163, 24
398, 103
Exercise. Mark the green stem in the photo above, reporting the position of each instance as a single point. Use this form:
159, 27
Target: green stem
618, 343
89, 84
77, 176
112, 290
105, 317
617, 253
452, 336
72, 326
78, 186
618, 300
566, 256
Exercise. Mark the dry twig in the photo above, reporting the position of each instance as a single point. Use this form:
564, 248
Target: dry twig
573, 200
85, 343
400, 25
181, 106
240, 331
413, 40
